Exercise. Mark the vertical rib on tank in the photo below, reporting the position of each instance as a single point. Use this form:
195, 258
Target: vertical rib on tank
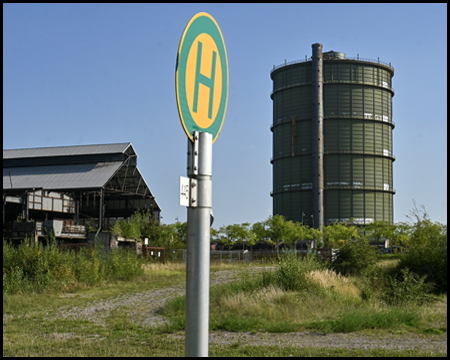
357, 140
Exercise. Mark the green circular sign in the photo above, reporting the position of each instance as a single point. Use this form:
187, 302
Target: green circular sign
201, 78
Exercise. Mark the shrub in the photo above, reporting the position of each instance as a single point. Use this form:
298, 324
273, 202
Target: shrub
354, 257
427, 250
14, 281
291, 273
407, 287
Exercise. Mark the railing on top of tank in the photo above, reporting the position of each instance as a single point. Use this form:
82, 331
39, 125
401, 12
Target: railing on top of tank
347, 58
371, 61
289, 63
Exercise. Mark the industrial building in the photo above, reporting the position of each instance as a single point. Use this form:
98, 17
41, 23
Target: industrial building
71, 189
332, 139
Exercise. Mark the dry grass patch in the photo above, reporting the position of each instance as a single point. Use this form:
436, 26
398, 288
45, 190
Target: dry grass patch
328, 279
434, 315
388, 264
269, 303
164, 268
244, 302
274, 304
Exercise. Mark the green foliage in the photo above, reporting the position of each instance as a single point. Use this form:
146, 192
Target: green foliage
181, 232
285, 300
407, 287
401, 234
214, 235
372, 282
379, 230
170, 236
427, 250
364, 319
138, 225
279, 230
15, 282
142, 225
354, 257
338, 233
290, 274
35, 268
260, 231
236, 234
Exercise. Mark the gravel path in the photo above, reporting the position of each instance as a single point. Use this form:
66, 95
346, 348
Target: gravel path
153, 300
340, 340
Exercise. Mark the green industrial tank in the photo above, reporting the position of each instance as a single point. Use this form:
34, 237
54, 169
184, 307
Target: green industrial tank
345, 118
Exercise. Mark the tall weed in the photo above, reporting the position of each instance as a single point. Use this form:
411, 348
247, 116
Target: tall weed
291, 273
408, 287
35, 268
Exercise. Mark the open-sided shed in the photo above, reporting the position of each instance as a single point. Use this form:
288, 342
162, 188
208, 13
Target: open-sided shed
79, 183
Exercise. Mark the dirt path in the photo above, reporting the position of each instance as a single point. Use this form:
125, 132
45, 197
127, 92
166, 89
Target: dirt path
153, 300
341, 340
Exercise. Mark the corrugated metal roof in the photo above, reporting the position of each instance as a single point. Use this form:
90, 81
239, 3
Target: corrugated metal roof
66, 150
76, 176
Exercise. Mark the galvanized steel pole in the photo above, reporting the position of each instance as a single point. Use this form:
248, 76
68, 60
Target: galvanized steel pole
198, 244
317, 134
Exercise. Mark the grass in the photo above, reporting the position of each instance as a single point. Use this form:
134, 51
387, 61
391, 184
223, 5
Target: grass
360, 319
272, 351
31, 328
34, 268
318, 300
331, 281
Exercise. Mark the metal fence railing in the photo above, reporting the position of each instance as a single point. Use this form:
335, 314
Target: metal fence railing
286, 63
240, 256
216, 256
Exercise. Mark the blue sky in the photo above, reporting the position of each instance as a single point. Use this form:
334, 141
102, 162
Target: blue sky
78, 74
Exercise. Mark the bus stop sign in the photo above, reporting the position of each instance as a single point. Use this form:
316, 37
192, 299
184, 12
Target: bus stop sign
201, 79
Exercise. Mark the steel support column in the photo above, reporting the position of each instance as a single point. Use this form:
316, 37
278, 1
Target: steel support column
317, 134
198, 245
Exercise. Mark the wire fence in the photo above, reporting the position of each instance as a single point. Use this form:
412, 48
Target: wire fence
240, 256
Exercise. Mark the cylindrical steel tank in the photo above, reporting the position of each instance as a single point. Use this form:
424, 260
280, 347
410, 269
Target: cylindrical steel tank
357, 140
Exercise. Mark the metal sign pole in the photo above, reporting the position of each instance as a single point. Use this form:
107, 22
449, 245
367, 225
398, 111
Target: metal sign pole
198, 244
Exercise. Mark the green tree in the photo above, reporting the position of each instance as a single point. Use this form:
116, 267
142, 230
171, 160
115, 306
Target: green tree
337, 234
259, 229
214, 235
248, 237
379, 230
233, 234
181, 231
401, 234
317, 236
280, 231
303, 232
